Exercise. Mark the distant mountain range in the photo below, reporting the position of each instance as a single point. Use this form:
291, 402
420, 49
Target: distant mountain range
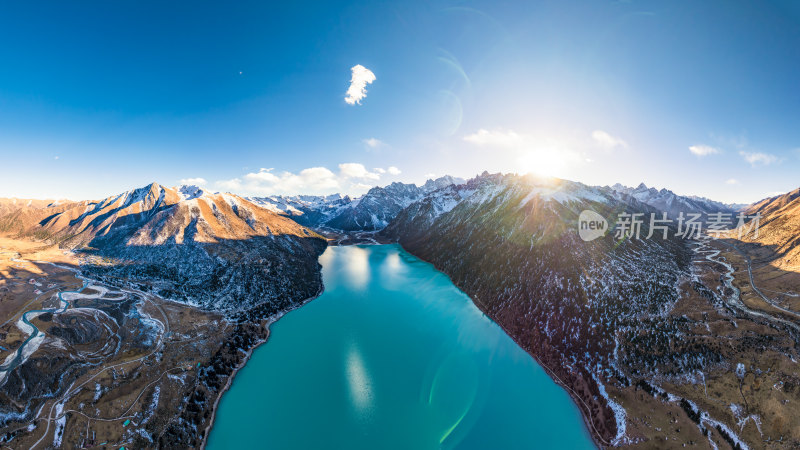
370, 212
673, 204
378, 207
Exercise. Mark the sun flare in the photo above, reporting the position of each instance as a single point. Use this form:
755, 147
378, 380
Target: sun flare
547, 163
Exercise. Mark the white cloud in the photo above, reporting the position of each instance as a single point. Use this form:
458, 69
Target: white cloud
360, 78
373, 143
495, 138
263, 175
756, 158
731, 181
703, 150
352, 177
265, 182
607, 141
234, 184
393, 170
193, 181
355, 170
379, 170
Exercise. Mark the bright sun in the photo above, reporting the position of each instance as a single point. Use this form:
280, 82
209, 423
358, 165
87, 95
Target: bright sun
541, 162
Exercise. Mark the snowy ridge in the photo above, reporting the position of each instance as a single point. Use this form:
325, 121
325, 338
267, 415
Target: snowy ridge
370, 212
671, 203
565, 192
189, 192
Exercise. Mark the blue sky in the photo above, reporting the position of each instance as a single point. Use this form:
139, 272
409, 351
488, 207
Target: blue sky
100, 97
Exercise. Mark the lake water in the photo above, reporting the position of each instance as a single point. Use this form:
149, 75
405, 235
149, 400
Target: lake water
392, 356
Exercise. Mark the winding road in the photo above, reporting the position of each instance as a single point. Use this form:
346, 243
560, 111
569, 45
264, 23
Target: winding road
74, 389
753, 284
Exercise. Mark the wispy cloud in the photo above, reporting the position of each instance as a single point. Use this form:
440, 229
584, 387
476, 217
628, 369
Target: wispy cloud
758, 158
607, 141
731, 181
359, 79
373, 143
737, 141
194, 181
704, 150
495, 138
351, 178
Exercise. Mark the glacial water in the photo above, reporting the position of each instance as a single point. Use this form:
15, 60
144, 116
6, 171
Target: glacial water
392, 356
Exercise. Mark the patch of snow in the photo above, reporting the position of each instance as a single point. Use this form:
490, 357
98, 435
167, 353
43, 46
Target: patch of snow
619, 414
189, 192
61, 422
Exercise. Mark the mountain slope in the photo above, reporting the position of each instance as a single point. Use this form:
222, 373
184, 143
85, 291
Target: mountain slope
307, 210
778, 230
510, 243
219, 251
241, 264
659, 341
380, 205
376, 208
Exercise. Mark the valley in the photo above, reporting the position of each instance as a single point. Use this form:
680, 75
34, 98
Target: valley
115, 367
125, 320
142, 307
400, 225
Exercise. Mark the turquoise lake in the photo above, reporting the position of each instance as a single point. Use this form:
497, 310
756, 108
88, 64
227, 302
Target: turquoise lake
392, 356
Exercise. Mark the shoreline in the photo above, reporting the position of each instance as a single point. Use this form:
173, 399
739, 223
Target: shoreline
267, 324
581, 405
586, 416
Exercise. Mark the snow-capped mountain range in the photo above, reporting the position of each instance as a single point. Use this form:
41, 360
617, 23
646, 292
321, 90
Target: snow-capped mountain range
370, 212
672, 203
376, 209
